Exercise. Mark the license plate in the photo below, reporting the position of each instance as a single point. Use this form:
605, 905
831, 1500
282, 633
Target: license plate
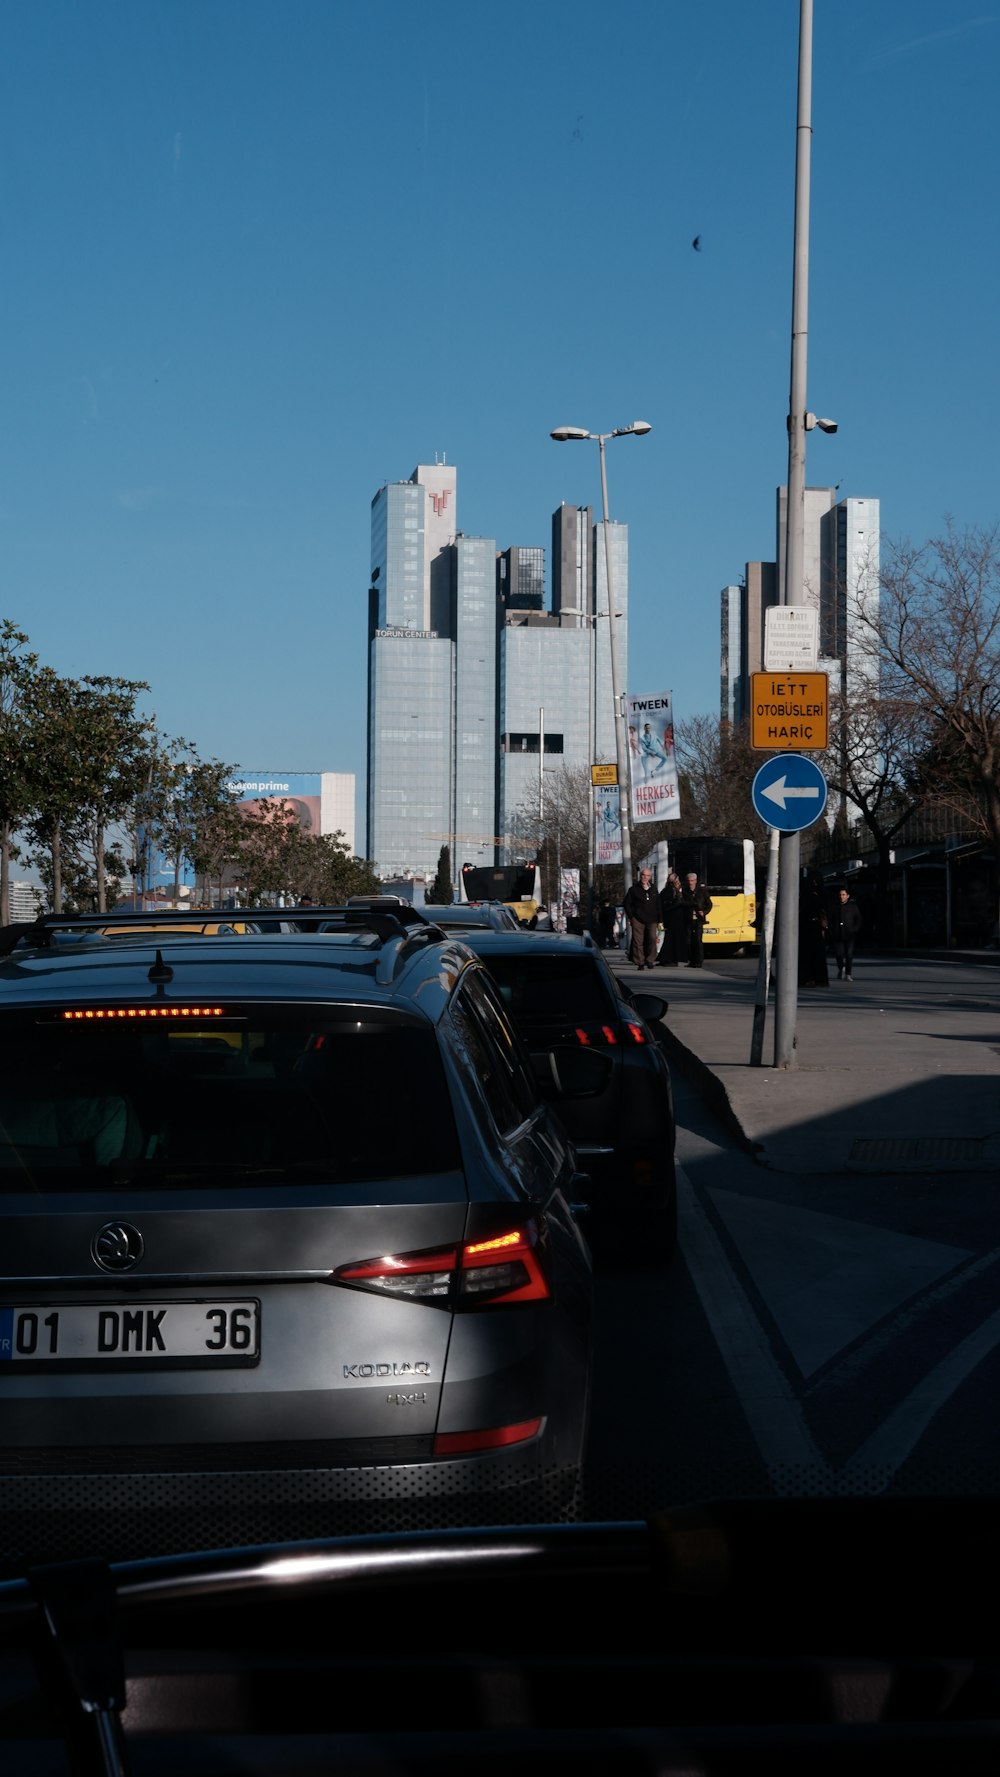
129, 1333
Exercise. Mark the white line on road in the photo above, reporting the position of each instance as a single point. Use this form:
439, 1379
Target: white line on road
772, 1411
899, 1435
770, 1406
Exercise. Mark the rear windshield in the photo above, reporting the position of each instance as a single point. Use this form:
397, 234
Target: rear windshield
550, 989
223, 1095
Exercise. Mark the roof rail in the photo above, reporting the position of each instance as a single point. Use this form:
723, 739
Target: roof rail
385, 921
360, 911
39, 932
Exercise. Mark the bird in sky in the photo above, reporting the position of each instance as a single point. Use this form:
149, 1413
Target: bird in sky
696, 243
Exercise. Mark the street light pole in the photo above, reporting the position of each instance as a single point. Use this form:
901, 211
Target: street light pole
562, 435
789, 845
590, 619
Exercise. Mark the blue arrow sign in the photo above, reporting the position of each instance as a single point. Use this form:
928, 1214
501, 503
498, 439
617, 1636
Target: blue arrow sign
789, 792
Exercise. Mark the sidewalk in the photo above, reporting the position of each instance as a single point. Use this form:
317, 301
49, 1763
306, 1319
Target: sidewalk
897, 1071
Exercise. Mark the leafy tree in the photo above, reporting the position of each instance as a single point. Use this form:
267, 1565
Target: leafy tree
264, 853
187, 810
79, 882
113, 744
441, 892
57, 772
18, 671
326, 871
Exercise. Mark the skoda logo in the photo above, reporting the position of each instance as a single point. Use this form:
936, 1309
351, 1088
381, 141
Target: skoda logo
117, 1246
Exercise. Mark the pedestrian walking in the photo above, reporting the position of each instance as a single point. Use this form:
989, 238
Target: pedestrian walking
642, 908
697, 905
844, 925
673, 921
606, 925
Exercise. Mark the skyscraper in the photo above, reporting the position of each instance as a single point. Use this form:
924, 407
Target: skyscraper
840, 569
410, 672
474, 627
732, 599
555, 668
463, 660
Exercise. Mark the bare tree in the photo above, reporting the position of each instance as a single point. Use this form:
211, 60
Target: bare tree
872, 766
935, 627
561, 838
716, 766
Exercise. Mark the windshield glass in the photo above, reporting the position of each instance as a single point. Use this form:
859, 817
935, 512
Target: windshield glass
228, 1097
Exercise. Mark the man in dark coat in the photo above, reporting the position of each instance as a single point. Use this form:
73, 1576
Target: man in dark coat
844, 926
642, 910
697, 905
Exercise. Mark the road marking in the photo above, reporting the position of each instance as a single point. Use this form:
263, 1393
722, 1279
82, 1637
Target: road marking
769, 1404
827, 1279
898, 1436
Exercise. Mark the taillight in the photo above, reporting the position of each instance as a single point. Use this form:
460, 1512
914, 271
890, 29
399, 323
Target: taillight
499, 1437
136, 1014
636, 1032
495, 1270
596, 1033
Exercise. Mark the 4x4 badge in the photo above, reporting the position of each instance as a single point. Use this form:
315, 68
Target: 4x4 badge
117, 1246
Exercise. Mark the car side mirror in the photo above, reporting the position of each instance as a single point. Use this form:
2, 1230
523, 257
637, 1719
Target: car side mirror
650, 1006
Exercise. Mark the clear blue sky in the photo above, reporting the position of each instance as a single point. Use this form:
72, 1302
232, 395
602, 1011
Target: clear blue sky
259, 258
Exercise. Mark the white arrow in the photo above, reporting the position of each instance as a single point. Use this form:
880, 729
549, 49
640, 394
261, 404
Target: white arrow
781, 790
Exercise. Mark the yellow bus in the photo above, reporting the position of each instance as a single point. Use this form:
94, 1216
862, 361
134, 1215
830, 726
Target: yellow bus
726, 868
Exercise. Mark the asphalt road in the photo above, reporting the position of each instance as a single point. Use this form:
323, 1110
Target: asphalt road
832, 1331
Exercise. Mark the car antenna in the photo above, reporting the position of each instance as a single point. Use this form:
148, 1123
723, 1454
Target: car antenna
160, 970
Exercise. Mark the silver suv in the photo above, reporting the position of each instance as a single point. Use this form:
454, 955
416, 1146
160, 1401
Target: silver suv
287, 1203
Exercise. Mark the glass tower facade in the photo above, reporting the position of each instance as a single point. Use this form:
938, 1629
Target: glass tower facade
475, 631
560, 664
410, 676
462, 658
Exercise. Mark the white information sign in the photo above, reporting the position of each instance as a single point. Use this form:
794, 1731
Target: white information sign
791, 638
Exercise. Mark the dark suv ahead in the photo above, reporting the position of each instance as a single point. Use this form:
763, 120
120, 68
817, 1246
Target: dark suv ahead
286, 1202
564, 998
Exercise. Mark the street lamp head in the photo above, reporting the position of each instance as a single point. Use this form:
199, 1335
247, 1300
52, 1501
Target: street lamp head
562, 433
638, 427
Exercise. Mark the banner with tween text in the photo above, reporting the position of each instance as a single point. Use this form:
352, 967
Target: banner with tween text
652, 763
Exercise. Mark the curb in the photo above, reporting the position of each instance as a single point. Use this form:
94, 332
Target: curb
710, 1090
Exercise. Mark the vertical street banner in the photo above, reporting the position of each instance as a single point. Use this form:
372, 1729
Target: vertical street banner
607, 825
569, 895
651, 758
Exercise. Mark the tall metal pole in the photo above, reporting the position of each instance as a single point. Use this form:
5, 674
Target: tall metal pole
591, 725
541, 783
621, 748
792, 593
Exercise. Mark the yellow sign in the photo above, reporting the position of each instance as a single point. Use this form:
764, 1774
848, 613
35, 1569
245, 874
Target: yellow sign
789, 712
604, 774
